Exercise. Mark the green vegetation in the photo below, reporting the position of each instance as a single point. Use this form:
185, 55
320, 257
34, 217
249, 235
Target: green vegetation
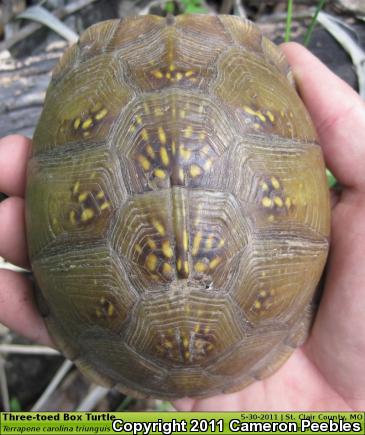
313, 22
187, 6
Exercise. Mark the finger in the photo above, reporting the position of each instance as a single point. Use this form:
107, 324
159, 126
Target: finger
18, 310
14, 152
338, 113
13, 245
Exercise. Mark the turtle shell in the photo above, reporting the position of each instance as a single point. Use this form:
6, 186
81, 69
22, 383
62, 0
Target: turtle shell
177, 207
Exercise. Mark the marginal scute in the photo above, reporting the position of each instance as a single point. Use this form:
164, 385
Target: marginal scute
177, 209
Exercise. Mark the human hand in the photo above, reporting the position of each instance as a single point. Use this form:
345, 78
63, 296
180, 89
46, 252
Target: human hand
18, 310
327, 373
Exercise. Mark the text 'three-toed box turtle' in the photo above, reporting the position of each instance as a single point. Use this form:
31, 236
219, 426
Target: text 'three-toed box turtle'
177, 206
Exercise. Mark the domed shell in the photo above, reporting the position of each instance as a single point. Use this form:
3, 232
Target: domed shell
177, 207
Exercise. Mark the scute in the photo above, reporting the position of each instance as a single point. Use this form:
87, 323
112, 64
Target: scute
177, 209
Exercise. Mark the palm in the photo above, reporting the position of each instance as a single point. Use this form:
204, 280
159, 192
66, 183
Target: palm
327, 373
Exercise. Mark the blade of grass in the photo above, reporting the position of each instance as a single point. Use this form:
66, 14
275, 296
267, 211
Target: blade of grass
43, 16
331, 180
309, 31
288, 21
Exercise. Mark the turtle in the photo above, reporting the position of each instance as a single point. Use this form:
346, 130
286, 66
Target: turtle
177, 210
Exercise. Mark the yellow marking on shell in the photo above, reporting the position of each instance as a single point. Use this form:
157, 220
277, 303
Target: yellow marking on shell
151, 262
146, 108
275, 183
87, 124
158, 111
185, 240
164, 156
144, 134
168, 75
288, 202
110, 310
278, 201
197, 328
98, 313
179, 264
195, 171
263, 293
208, 164
182, 113
144, 162
150, 151
162, 135
186, 267
209, 242
100, 195
210, 347
187, 309
270, 116
271, 218
200, 267
282, 113
181, 175
264, 186
158, 74
184, 152
185, 342
72, 217
172, 67
221, 243
83, 196
166, 268
138, 119
205, 149
214, 263
173, 148
189, 73
256, 126
188, 131
201, 109
76, 187
87, 214
138, 248
206, 330
168, 344
201, 136
179, 76
196, 243
187, 354
77, 123
100, 115
132, 128
151, 243
257, 305
166, 249
159, 227
267, 202
159, 173
93, 175
105, 205
250, 111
